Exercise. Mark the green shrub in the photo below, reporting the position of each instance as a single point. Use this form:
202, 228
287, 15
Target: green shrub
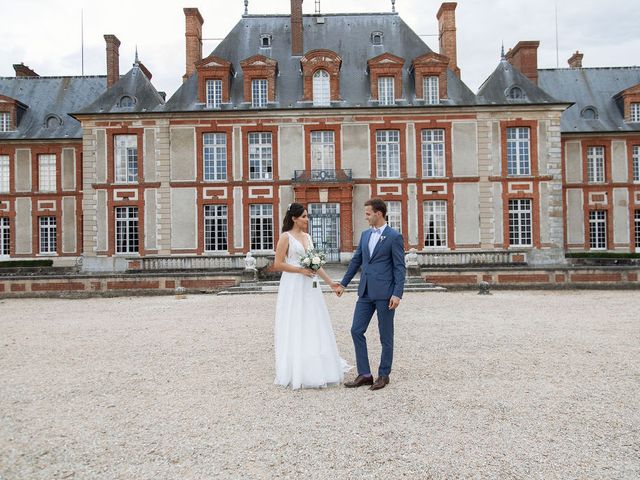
26, 263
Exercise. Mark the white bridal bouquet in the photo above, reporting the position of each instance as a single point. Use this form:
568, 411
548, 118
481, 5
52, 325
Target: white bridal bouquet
313, 260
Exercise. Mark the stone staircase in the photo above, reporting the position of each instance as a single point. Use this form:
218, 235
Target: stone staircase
412, 284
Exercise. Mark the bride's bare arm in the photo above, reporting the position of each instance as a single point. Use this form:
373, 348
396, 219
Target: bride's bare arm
280, 265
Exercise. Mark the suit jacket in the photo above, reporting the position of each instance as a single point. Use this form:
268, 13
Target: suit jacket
383, 272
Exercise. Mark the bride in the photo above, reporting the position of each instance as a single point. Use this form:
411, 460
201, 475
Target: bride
306, 351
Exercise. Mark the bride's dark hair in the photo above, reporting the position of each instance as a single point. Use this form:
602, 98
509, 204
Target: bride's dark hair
295, 210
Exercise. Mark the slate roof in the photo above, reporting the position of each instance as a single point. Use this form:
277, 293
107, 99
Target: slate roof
494, 90
134, 84
591, 87
50, 95
348, 35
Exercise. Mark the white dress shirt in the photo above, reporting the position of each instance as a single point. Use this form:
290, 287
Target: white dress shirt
375, 237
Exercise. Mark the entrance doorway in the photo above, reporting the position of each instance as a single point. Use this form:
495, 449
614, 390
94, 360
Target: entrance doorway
324, 222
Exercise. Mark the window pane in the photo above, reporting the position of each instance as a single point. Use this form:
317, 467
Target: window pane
388, 153
636, 163
321, 89
214, 93
595, 164
215, 228
261, 224
214, 146
386, 94
520, 224
5, 236
598, 230
635, 112
518, 151
431, 90
637, 228
433, 153
4, 173
260, 156
127, 230
47, 234
394, 215
323, 150
259, 93
126, 158
435, 223
5, 121
47, 173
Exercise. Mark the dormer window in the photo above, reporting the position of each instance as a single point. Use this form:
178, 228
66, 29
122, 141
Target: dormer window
53, 121
265, 40
126, 101
589, 113
5, 121
385, 78
214, 81
321, 89
259, 83
376, 38
321, 77
635, 112
516, 93
430, 77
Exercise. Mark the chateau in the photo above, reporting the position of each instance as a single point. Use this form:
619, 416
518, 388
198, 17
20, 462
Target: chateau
327, 110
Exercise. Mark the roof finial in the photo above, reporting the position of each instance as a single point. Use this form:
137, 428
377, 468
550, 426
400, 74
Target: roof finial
246, 7
502, 55
393, 6
137, 61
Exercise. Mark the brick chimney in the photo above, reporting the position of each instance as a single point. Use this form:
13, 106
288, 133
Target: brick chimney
576, 60
524, 56
297, 48
193, 37
113, 59
447, 27
23, 71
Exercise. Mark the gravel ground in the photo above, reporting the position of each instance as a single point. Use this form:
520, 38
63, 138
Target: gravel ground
519, 384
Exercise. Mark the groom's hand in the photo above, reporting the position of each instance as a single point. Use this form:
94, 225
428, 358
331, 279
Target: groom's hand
393, 303
338, 289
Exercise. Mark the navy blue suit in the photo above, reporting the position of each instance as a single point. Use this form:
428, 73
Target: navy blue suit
382, 276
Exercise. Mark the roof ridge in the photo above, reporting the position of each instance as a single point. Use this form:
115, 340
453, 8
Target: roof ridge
43, 77
345, 14
625, 67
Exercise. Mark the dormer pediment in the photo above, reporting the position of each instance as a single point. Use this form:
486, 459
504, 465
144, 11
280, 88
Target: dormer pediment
258, 61
431, 59
321, 57
386, 60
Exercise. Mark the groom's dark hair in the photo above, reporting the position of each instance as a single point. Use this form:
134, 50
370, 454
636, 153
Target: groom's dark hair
377, 205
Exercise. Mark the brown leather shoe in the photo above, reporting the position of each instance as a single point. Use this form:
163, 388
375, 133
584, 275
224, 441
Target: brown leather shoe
381, 382
359, 381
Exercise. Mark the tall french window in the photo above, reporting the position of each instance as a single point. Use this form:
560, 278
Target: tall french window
435, 223
261, 226
260, 156
126, 158
520, 222
215, 228
388, 153
214, 146
433, 153
518, 151
127, 237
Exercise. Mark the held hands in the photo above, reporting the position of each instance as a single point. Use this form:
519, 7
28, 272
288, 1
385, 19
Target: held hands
337, 288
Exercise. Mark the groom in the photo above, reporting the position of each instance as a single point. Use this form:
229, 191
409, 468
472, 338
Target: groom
380, 254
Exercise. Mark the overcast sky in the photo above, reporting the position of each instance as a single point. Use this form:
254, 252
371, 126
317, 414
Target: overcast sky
46, 34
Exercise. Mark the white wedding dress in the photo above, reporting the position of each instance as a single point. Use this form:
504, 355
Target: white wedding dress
306, 351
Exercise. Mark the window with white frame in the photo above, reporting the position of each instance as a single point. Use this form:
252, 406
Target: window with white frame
4, 173
215, 228
127, 237
635, 112
636, 163
47, 235
431, 90
126, 158
388, 153
518, 151
595, 164
260, 156
598, 230
394, 215
435, 223
47, 173
259, 92
214, 93
214, 154
321, 89
520, 222
5, 121
637, 229
261, 226
323, 150
386, 94
433, 153
5, 235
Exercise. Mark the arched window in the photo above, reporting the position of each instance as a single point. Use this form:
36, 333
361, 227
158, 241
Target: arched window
321, 89
126, 101
53, 121
516, 93
589, 113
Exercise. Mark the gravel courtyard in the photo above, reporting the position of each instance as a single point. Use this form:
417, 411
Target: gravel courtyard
518, 384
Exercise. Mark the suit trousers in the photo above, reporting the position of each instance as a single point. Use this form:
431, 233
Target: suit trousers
365, 308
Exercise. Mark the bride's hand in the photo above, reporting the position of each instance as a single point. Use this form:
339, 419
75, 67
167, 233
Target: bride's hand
307, 272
